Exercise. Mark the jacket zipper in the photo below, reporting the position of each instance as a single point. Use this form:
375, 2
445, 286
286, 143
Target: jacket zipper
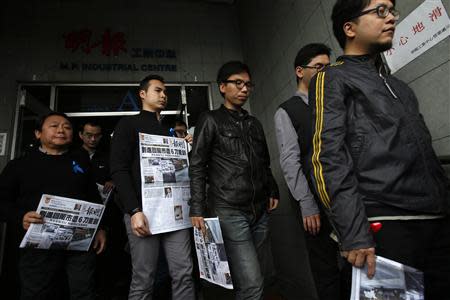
251, 168
388, 86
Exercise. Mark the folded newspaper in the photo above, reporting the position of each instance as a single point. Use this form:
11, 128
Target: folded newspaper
212, 259
69, 224
392, 280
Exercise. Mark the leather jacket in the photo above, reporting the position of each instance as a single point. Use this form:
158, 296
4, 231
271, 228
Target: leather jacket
230, 155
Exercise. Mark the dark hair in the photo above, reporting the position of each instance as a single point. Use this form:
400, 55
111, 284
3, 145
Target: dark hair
180, 122
145, 83
42, 119
230, 68
90, 123
308, 52
343, 11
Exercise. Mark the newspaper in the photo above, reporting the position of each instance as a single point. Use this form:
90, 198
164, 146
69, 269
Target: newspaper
69, 224
165, 182
212, 259
392, 280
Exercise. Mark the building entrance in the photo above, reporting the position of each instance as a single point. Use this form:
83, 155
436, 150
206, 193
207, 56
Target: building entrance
104, 104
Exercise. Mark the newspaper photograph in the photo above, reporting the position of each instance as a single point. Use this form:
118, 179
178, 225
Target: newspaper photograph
165, 182
69, 224
212, 258
392, 280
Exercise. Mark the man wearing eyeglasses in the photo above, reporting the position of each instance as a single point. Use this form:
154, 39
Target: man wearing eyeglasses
293, 127
230, 154
373, 160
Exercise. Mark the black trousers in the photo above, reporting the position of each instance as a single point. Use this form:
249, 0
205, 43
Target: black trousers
324, 262
41, 271
422, 244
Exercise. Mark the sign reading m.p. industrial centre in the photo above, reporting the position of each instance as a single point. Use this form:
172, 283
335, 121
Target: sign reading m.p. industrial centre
114, 44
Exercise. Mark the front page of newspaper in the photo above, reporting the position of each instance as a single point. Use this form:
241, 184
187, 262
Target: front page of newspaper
165, 182
392, 280
212, 259
69, 224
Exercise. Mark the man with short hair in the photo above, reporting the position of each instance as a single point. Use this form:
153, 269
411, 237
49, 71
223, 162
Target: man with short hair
372, 157
293, 132
91, 135
55, 170
230, 153
125, 169
180, 129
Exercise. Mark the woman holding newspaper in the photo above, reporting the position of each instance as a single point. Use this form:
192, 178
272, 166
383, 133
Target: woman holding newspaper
54, 170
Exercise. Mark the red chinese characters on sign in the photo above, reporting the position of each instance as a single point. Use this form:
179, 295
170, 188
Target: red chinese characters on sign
110, 42
418, 27
403, 41
390, 51
435, 14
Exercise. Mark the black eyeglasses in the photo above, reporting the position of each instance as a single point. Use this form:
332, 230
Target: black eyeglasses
382, 11
241, 83
318, 67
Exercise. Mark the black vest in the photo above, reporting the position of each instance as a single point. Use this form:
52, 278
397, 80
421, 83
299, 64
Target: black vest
300, 115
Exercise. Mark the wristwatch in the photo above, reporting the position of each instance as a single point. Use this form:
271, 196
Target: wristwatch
134, 211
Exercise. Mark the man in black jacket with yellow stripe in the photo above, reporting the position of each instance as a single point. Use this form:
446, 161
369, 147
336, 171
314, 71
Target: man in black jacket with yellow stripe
372, 157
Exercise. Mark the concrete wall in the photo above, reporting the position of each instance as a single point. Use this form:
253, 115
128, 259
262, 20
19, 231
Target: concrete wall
204, 36
272, 33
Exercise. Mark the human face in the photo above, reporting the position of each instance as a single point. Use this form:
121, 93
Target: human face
370, 33
180, 131
56, 133
91, 136
154, 98
305, 73
235, 97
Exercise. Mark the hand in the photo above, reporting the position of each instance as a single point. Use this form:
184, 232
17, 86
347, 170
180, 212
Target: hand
199, 223
273, 203
31, 217
312, 224
109, 185
99, 241
139, 225
189, 138
358, 257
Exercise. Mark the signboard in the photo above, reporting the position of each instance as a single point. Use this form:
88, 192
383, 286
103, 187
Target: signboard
426, 26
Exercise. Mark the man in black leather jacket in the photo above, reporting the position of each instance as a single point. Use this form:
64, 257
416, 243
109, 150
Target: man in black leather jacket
230, 155
372, 158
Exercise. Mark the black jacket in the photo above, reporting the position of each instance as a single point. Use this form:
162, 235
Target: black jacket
372, 152
230, 154
25, 179
125, 159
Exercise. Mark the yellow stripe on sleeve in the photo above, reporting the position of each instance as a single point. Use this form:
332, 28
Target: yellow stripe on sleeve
317, 141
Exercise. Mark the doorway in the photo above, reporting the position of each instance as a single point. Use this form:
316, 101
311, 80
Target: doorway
103, 103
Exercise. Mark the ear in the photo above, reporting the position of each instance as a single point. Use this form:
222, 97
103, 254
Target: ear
299, 72
80, 135
37, 134
142, 94
349, 30
222, 88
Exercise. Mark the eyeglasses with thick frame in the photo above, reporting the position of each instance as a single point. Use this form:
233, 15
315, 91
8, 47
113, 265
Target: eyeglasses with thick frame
241, 83
382, 11
318, 67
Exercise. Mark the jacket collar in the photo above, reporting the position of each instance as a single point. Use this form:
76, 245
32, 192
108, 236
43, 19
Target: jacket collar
357, 58
239, 115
